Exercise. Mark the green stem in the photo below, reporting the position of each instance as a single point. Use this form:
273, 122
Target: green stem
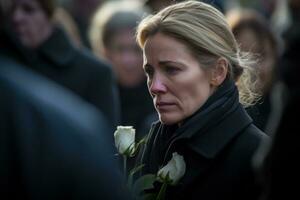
162, 191
125, 166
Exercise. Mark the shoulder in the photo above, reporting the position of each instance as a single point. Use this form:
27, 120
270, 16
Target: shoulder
87, 59
28, 91
248, 141
61, 51
253, 134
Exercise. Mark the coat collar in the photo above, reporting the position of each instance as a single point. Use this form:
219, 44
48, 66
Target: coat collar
208, 143
58, 48
210, 129
212, 142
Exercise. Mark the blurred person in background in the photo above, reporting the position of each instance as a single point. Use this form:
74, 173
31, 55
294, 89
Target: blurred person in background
53, 145
290, 37
64, 19
157, 5
278, 162
112, 35
48, 50
255, 36
82, 12
264, 7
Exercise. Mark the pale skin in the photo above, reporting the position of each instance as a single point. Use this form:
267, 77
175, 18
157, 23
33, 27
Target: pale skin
176, 80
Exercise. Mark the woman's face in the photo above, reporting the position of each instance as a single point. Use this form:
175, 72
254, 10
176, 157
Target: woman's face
30, 22
176, 81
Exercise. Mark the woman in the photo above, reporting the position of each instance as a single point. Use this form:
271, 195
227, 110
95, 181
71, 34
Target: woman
196, 76
112, 36
50, 52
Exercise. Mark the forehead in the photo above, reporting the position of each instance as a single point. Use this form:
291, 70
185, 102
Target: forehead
163, 40
163, 46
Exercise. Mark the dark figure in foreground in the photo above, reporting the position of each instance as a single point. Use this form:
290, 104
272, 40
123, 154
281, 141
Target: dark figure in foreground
52, 144
279, 167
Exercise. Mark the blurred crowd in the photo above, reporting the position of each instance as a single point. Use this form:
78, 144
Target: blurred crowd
71, 71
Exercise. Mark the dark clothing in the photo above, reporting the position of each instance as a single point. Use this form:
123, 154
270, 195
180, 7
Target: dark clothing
217, 144
277, 161
136, 106
58, 59
53, 145
280, 164
289, 62
260, 112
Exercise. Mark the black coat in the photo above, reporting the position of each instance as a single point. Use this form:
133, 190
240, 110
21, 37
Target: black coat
78, 70
217, 144
53, 145
281, 163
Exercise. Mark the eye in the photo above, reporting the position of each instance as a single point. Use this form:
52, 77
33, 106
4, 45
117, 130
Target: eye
171, 70
29, 9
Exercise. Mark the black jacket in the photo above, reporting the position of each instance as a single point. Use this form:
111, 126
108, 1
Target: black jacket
217, 144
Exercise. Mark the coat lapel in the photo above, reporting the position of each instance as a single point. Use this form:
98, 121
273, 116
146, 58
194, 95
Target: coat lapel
213, 142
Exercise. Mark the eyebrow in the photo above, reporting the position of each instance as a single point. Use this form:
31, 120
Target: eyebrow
164, 63
170, 62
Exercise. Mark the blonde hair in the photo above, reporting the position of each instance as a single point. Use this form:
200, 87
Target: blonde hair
205, 31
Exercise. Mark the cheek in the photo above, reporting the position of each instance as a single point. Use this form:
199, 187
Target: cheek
35, 28
40, 23
195, 95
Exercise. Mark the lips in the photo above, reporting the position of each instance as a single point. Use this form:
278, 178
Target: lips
164, 105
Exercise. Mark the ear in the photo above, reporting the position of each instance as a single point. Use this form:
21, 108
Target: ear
219, 72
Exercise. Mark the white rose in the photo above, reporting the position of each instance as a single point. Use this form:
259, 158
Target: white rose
125, 140
175, 169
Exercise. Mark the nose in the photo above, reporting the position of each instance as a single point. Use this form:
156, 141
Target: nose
157, 85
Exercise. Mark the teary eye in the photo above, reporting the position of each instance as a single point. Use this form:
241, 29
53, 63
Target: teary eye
171, 70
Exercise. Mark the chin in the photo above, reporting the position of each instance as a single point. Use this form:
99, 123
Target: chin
168, 120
